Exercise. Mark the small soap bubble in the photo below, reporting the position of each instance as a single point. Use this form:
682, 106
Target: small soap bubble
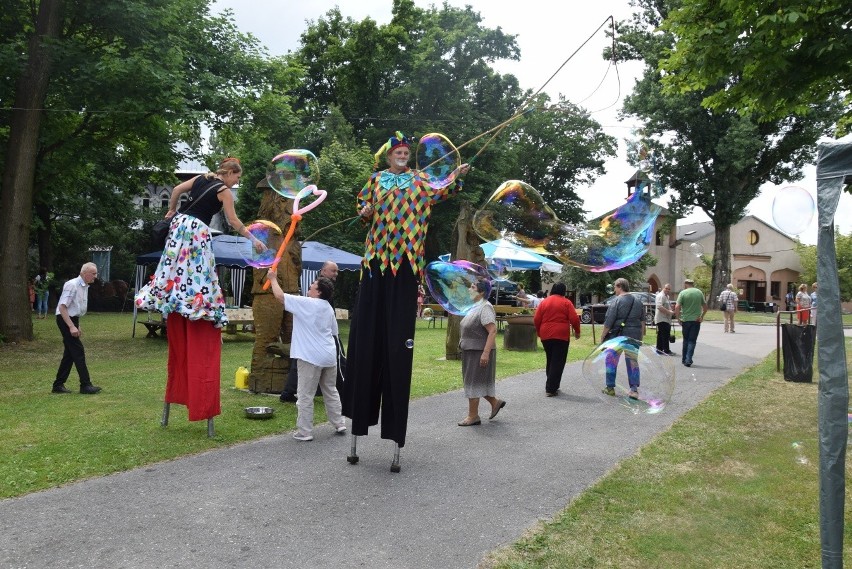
267, 233
292, 170
696, 249
438, 160
451, 284
409, 343
793, 209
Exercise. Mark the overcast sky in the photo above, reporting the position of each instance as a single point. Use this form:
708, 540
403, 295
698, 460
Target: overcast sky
548, 32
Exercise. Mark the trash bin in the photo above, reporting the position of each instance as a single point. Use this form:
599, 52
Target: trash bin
797, 346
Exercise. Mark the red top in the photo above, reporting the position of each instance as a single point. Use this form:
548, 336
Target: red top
555, 317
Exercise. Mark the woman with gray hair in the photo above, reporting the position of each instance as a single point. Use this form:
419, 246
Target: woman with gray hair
479, 354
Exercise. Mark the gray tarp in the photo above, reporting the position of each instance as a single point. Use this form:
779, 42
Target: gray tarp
834, 164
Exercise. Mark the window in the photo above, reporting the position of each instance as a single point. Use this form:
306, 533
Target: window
659, 238
146, 203
775, 289
753, 237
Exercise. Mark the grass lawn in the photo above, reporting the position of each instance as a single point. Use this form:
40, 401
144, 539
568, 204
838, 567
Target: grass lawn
732, 484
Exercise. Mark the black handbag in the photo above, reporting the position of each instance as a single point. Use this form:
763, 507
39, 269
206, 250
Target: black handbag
159, 233
160, 230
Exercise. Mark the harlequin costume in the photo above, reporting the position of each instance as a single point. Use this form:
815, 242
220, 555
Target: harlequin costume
382, 333
185, 289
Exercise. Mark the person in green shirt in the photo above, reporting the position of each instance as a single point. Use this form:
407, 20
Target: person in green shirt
690, 309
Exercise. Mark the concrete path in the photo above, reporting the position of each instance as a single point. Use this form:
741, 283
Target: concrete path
276, 502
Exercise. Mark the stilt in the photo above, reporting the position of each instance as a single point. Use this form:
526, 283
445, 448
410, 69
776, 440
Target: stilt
353, 454
165, 420
395, 464
210, 433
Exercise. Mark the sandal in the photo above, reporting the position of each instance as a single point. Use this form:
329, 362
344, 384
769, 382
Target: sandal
470, 422
496, 409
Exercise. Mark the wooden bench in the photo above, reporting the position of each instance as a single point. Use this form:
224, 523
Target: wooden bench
153, 327
242, 317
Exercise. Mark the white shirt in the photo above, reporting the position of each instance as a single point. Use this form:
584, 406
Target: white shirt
75, 297
314, 328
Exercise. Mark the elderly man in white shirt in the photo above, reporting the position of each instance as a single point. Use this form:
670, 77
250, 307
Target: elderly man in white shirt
73, 303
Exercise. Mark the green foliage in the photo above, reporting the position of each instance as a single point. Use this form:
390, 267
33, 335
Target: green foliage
715, 161
843, 252
596, 283
775, 60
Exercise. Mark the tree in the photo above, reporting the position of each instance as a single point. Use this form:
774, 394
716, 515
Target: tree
429, 70
716, 161
103, 91
843, 251
600, 283
775, 59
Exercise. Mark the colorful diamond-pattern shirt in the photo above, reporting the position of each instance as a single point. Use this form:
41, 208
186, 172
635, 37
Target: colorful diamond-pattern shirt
401, 206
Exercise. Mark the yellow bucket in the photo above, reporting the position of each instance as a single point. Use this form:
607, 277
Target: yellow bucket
241, 378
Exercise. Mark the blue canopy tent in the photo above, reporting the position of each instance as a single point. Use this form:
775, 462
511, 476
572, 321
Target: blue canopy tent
231, 251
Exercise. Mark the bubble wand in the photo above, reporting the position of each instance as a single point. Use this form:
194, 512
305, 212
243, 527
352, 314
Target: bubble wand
294, 220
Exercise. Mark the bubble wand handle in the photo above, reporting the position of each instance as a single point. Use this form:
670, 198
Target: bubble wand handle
294, 221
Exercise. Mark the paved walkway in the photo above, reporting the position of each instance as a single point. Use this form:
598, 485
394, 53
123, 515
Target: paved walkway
276, 502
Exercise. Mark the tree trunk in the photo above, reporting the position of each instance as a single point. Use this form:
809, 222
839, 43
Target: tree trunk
19, 175
721, 264
465, 246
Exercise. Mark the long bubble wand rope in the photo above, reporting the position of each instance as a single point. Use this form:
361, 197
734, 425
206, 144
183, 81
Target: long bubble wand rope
498, 128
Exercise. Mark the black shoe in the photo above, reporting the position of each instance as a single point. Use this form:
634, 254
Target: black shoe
287, 398
60, 389
89, 389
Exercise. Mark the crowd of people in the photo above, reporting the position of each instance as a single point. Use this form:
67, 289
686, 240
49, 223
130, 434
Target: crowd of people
185, 289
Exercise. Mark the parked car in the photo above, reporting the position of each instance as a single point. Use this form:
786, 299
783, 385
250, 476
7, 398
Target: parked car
599, 309
503, 292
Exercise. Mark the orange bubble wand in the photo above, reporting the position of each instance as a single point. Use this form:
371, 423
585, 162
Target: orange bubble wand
295, 218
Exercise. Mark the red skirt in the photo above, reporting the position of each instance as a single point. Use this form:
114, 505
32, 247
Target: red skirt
195, 355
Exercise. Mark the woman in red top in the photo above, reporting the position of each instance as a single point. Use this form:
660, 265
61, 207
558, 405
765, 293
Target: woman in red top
554, 318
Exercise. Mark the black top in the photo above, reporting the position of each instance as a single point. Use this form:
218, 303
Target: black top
209, 205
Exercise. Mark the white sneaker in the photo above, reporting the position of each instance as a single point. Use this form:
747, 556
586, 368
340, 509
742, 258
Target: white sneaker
300, 437
340, 430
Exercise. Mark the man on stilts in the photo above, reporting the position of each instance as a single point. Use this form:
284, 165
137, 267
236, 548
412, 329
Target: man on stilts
396, 203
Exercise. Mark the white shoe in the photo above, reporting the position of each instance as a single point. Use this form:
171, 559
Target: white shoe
300, 437
340, 430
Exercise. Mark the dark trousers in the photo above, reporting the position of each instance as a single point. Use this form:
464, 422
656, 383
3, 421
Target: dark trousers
74, 354
690, 338
664, 331
380, 353
555, 353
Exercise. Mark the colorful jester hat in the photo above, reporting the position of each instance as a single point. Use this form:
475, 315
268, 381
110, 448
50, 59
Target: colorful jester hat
398, 139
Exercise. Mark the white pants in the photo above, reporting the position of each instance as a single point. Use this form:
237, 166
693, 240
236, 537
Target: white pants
309, 377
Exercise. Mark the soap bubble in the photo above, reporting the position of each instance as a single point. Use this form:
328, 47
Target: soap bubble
655, 372
291, 171
793, 210
696, 249
437, 159
516, 212
450, 285
610, 289
267, 233
617, 241
428, 314
409, 343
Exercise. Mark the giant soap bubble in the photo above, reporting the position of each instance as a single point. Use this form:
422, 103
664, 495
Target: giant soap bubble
625, 357
438, 160
517, 212
793, 210
291, 171
450, 284
619, 240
